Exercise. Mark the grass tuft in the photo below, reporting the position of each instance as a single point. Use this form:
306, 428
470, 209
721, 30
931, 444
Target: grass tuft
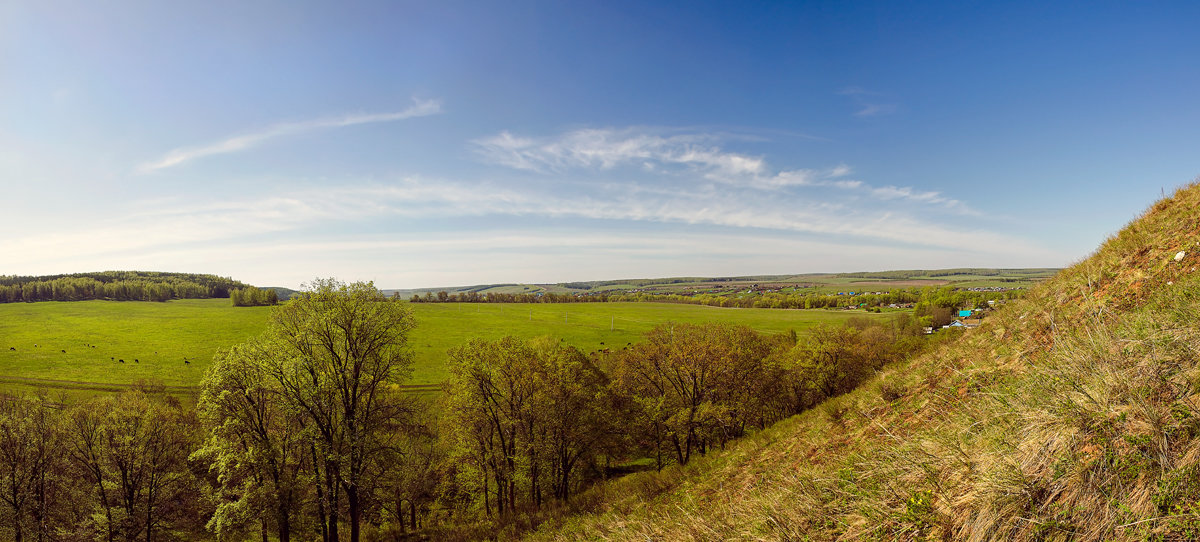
1073, 414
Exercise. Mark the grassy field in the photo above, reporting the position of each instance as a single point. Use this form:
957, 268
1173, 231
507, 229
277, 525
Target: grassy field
78, 344
587, 326
809, 283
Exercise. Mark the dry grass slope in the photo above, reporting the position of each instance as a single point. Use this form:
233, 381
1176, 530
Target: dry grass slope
1073, 414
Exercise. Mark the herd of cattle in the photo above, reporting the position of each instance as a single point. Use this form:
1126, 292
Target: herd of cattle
113, 358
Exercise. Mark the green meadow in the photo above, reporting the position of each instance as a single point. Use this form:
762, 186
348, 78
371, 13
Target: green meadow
95, 334
78, 344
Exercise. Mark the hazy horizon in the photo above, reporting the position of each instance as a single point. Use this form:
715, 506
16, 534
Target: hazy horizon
437, 144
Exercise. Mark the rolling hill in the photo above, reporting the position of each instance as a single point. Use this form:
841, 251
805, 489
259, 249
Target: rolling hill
1072, 414
816, 282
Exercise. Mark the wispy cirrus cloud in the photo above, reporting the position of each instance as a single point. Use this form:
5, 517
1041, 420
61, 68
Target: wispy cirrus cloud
191, 232
930, 197
699, 155
610, 148
869, 103
686, 156
181, 155
179, 223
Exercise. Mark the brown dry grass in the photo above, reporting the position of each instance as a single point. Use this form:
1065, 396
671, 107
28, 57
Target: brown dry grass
1073, 414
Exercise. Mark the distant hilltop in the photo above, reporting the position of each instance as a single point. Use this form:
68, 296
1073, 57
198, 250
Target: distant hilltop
121, 286
964, 277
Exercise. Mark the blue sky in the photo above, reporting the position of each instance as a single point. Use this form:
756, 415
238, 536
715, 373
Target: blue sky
446, 143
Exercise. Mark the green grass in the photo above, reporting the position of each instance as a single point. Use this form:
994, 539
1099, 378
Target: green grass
587, 326
816, 282
1070, 414
160, 335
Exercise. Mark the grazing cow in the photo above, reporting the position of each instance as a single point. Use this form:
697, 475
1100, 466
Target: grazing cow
13, 348
120, 361
64, 351
135, 360
186, 361
114, 358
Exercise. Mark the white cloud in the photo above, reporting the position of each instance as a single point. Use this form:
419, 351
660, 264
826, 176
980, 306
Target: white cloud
288, 238
421, 259
869, 103
157, 224
873, 109
245, 141
699, 154
603, 149
930, 197
840, 170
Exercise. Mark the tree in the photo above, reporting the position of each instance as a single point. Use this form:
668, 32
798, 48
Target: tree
133, 451
255, 443
523, 415
694, 384
572, 404
489, 390
336, 352
29, 463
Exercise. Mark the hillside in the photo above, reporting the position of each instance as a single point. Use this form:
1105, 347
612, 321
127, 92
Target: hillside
116, 286
814, 282
1073, 413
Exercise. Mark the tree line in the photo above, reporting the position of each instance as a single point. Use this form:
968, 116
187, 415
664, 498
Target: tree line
116, 286
109, 468
492, 297
306, 432
253, 297
946, 297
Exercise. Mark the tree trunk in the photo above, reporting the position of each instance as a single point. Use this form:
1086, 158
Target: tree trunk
322, 522
41, 505
107, 509
400, 512
487, 504
678, 450
285, 524
154, 481
500, 500
331, 491
355, 512
512, 495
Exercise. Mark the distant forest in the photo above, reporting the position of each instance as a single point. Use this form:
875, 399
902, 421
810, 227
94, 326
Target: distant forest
306, 432
923, 299
1012, 274
116, 286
